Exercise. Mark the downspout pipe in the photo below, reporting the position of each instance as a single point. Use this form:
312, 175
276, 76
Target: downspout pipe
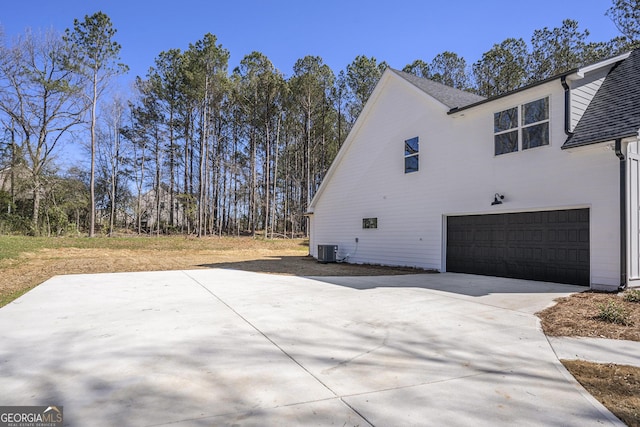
567, 109
623, 216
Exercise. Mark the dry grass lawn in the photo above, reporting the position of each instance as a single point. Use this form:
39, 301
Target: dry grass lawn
103, 255
26, 263
616, 386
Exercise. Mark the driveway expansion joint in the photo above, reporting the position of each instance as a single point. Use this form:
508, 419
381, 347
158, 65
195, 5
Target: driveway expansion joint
248, 322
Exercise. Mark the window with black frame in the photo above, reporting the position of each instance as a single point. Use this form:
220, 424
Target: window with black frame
369, 222
411, 150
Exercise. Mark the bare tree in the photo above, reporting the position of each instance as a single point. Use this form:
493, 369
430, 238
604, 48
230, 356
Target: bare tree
111, 155
41, 95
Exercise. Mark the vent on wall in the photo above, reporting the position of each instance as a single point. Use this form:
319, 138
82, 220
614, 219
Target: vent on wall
327, 253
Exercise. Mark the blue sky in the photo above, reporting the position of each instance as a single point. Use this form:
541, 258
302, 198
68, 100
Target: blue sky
395, 31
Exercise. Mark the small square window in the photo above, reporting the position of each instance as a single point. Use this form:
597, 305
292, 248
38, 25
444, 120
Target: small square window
369, 222
411, 164
411, 146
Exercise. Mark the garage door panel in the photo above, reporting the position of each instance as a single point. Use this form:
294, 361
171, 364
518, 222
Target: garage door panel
562, 217
583, 256
584, 236
546, 245
562, 236
561, 255
573, 236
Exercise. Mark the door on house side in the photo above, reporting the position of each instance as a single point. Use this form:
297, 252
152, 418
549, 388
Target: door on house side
550, 246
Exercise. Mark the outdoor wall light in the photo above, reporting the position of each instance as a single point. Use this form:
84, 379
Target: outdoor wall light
497, 199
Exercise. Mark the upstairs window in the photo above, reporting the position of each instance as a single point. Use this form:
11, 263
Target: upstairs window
505, 127
411, 149
535, 124
522, 127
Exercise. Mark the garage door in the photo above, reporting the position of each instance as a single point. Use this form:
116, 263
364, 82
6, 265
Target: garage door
551, 246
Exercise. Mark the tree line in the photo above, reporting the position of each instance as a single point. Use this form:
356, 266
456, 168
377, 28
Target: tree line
201, 149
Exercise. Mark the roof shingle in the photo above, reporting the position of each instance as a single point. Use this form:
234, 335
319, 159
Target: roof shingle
449, 96
614, 111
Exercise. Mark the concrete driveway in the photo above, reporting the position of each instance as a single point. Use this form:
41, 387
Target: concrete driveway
224, 347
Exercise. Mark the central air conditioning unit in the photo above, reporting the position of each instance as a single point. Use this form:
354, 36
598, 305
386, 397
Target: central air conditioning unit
327, 253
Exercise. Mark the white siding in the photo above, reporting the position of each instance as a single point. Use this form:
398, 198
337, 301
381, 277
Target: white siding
582, 93
459, 174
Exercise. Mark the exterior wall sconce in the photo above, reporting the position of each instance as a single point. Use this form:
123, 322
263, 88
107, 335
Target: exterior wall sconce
497, 199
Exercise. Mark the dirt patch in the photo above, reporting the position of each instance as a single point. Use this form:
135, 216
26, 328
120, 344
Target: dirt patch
616, 386
576, 315
31, 269
309, 266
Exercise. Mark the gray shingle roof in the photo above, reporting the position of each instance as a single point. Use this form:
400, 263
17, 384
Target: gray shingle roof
614, 111
447, 95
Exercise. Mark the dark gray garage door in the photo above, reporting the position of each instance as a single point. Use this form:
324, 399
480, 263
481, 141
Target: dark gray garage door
551, 246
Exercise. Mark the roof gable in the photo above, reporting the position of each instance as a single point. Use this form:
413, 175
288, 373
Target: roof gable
449, 96
614, 111
421, 86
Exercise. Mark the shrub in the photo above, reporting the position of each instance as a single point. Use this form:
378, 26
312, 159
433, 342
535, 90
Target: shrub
614, 312
632, 295
13, 223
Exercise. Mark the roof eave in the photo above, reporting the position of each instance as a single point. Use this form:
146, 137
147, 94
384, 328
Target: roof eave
504, 95
574, 74
569, 146
581, 72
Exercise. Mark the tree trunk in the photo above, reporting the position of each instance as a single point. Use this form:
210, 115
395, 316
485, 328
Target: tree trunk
203, 163
36, 207
275, 177
171, 169
92, 184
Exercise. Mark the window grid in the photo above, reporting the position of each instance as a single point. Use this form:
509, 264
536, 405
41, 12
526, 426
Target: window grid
521, 128
411, 155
